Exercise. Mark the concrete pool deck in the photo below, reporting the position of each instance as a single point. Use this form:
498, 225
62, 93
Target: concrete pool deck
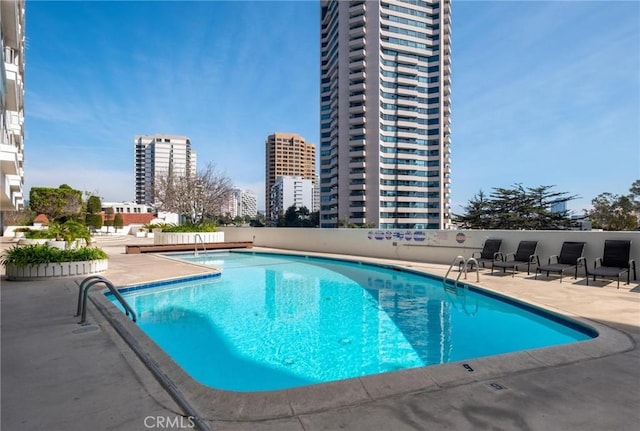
57, 374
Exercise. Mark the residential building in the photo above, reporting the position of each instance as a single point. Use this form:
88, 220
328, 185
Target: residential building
385, 113
158, 155
12, 17
242, 203
248, 204
558, 207
132, 213
287, 154
127, 208
288, 191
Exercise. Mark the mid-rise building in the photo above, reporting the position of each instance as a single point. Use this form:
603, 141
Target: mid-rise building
243, 203
12, 17
290, 191
158, 155
287, 154
385, 113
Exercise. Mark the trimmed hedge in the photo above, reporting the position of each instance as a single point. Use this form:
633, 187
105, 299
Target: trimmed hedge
41, 254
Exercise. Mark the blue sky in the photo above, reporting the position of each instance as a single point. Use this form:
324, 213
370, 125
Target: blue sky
543, 93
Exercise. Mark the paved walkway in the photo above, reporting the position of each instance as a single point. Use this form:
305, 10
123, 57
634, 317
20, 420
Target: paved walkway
57, 375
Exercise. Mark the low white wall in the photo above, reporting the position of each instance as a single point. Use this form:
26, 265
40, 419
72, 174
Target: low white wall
63, 269
164, 238
435, 246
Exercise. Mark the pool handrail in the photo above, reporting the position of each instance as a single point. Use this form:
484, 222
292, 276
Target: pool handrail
463, 268
83, 292
195, 239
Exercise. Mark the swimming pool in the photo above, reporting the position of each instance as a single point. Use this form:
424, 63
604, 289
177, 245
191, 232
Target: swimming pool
274, 322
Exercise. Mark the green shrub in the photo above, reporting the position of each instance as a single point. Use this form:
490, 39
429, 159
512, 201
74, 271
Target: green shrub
118, 221
43, 254
94, 220
150, 226
189, 227
39, 234
70, 230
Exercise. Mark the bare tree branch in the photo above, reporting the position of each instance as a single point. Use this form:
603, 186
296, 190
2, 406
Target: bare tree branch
194, 197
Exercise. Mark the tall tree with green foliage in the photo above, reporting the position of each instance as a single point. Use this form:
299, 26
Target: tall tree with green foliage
517, 207
94, 204
118, 222
612, 212
93, 217
57, 204
298, 217
108, 218
634, 195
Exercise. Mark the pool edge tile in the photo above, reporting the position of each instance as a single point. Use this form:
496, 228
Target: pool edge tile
398, 382
310, 399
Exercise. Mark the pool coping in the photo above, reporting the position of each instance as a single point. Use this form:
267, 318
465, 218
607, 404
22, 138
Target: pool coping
223, 405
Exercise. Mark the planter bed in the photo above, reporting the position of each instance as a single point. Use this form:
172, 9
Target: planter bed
152, 248
166, 238
54, 270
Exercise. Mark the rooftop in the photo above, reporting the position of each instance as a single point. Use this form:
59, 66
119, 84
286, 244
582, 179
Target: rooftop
58, 374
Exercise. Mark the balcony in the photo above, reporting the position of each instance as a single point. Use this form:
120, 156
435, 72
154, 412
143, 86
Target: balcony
357, 87
358, 42
357, 7
406, 81
357, 98
358, 65
358, 20
357, 53
9, 159
357, 176
357, 131
357, 109
359, 31
407, 69
358, 187
403, 91
406, 59
357, 75
15, 90
357, 152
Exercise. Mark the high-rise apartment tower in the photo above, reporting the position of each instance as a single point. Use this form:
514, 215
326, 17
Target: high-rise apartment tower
287, 154
157, 155
12, 105
385, 113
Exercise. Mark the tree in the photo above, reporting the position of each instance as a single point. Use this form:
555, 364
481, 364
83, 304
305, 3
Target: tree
18, 218
93, 217
635, 196
108, 217
57, 204
516, 208
612, 212
118, 223
298, 217
195, 197
291, 217
94, 204
477, 213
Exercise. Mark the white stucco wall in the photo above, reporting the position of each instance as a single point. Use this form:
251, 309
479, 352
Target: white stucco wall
435, 246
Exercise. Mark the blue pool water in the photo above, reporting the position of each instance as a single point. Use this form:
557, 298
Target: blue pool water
273, 322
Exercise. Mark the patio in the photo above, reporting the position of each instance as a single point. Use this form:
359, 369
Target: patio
59, 375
